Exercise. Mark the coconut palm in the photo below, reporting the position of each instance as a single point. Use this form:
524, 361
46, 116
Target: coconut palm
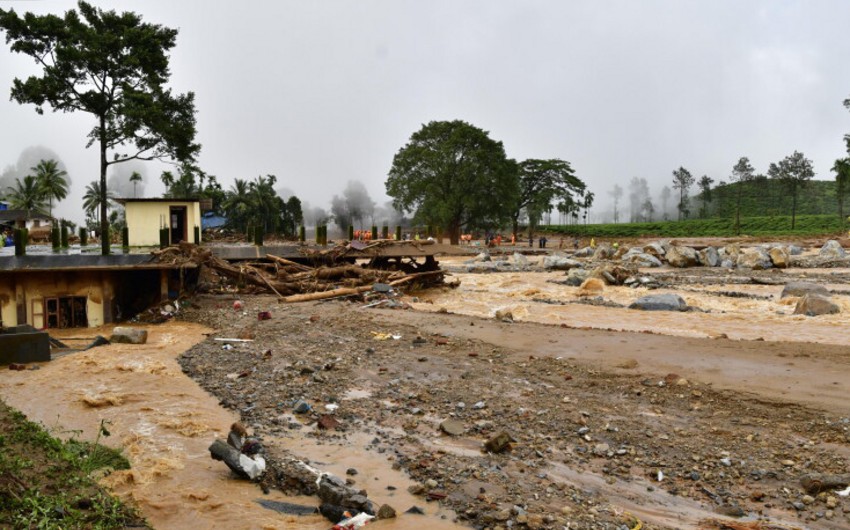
51, 181
92, 199
135, 178
26, 194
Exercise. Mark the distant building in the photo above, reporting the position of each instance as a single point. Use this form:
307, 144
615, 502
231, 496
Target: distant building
33, 220
145, 218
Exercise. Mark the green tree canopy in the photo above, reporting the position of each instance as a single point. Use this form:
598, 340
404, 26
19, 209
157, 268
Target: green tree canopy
842, 184
541, 181
51, 181
453, 175
114, 67
795, 171
742, 173
135, 178
26, 194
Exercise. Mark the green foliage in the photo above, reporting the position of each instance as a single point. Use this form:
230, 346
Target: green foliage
682, 181
541, 182
26, 194
51, 484
51, 181
114, 67
794, 171
249, 204
453, 174
780, 225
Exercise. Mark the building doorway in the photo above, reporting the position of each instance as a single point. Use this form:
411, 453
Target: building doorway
65, 312
178, 224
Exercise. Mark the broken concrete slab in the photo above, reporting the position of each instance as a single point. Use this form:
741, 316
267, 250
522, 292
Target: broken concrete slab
24, 346
126, 335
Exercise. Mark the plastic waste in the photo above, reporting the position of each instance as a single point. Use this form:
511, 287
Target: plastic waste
253, 466
358, 521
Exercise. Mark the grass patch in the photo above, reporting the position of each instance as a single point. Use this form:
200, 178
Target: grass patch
46, 483
805, 225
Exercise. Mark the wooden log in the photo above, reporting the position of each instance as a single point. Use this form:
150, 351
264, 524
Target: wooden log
415, 276
219, 450
324, 295
288, 263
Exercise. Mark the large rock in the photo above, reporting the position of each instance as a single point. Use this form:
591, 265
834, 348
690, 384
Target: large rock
794, 250
584, 252
832, 249
641, 259
803, 288
682, 257
754, 258
656, 249
603, 251
660, 302
709, 257
813, 305
575, 277
127, 335
519, 261
482, 257
779, 256
559, 263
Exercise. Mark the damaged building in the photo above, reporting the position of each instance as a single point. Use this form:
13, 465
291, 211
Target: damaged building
64, 291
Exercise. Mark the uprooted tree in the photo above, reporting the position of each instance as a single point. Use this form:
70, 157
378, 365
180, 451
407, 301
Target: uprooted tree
453, 175
114, 67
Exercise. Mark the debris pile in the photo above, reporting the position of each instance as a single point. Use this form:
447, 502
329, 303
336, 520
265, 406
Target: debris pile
333, 272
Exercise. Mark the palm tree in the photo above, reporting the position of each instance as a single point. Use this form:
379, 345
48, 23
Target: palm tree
134, 178
51, 181
92, 199
236, 205
26, 195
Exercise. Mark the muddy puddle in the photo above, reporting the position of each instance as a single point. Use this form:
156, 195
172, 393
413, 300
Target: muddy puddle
165, 422
533, 297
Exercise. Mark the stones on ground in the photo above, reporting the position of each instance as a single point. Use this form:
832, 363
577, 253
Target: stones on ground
813, 305
603, 251
575, 277
556, 262
504, 315
591, 287
779, 256
680, 256
832, 249
519, 261
125, 335
803, 288
499, 443
583, 252
452, 427
656, 249
660, 302
386, 512
709, 257
755, 258
601, 449
641, 259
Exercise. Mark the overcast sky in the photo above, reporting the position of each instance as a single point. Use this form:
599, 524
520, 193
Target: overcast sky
319, 93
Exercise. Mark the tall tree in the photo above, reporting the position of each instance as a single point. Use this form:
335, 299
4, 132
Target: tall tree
541, 181
742, 173
51, 181
795, 171
586, 203
638, 194
452, 174
682, 181
847, 136
135, 178
842, 185
704, 184
616, 193
26, 194
114, 67
237, 205
92, 202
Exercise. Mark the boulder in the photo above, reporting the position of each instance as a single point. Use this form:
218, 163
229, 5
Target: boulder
641, 259
794, 250
613, 273
556, 262
727, 264
483, 256
813, 305
488, 266
603, 251
832, 249
519, 261
575, 277
682, 257
655, 249
660, 302
584, 252
754, 258
803, 288
125, 335
779, 257
730, 252
591, 287
709, 257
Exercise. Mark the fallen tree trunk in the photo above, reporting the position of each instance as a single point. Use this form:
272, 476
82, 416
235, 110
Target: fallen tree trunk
816, 482
323, 295
220, 450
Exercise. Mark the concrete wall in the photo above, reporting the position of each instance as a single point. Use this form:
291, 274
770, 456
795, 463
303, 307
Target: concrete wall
19, 290
144, 219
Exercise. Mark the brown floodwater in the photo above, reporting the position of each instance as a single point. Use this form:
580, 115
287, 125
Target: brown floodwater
165, 422
522, 293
